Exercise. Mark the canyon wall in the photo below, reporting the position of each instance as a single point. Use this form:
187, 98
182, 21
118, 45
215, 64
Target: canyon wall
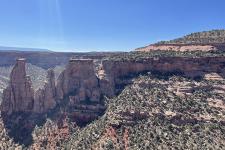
44, 98
79, 79
83, 87
189, 67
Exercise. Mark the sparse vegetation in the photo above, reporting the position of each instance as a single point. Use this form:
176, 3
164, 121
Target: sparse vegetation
140, 56
151, 113
205, 37
155, 111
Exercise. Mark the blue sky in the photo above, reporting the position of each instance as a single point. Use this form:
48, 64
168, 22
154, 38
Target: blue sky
104, 25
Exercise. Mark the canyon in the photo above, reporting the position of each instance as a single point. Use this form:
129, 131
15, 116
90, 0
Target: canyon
81, 83
130, 100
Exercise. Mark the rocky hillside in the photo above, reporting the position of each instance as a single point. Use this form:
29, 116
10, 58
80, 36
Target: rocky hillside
202, 41
154, 100
205, 37
159, 112
162, 112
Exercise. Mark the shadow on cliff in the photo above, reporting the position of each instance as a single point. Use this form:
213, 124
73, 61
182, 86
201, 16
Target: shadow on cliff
123, 81
21, 125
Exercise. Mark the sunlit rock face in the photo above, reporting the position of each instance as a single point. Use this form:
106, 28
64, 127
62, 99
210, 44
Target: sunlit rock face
19, 95
79, 79
79, 85
44, 98
186, 66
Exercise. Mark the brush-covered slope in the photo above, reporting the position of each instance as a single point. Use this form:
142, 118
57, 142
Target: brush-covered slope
159, 113
202, 41
205, 37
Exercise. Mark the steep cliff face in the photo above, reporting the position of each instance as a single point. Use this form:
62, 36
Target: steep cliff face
19, 95
81, 86
79, 79
189, 67
44, 98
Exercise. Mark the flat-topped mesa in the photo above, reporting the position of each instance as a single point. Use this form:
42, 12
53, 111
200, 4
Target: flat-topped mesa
79, 79
19, 95
182, 47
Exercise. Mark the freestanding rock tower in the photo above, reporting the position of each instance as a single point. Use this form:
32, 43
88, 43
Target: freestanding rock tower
19, 95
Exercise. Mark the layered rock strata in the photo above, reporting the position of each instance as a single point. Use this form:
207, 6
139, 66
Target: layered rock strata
186, 66
79, 84
84, 90
182, 47
79, 79
19, 95
44, 98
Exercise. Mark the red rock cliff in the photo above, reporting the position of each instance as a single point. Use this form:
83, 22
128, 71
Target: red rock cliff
79, 82
190, 67
19, 95
79, 79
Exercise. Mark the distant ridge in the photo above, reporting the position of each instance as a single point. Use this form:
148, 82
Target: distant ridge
204, 37
198, 41
5, 48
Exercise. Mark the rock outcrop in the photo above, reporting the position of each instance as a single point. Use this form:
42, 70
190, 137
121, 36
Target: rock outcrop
19, 95
44, 98
79, 79
81, 89
186, 66
79, 84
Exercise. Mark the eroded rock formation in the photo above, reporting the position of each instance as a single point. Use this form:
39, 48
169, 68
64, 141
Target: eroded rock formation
81, 89
190, 67
44, 98
79, 79
19, 95
79, 84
